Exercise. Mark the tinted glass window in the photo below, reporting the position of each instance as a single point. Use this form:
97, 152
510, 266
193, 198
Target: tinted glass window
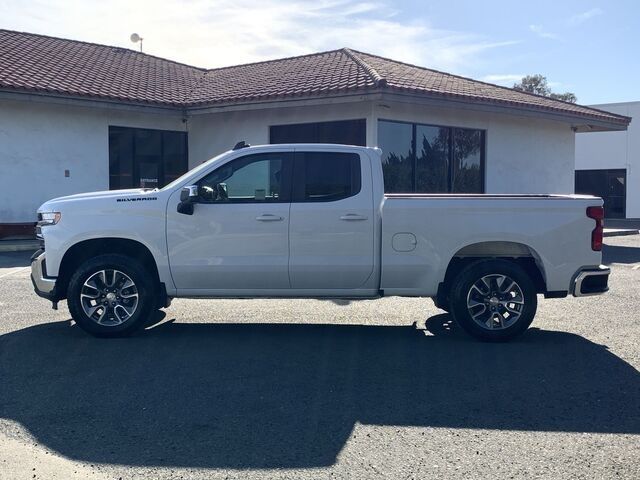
432, 162
466, 174
431, 159
120, 158
252, 179
346, 132
396, 140
608, 184
326, 176
141, 157
175, 155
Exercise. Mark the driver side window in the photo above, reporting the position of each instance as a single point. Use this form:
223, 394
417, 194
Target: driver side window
259, 178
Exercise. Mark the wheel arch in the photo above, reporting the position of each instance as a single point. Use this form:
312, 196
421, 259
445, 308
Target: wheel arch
86, 249
519, 253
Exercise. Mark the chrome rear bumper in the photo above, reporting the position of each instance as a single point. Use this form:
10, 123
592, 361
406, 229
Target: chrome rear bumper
591, 281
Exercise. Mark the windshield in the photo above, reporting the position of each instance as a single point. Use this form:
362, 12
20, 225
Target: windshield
202, 166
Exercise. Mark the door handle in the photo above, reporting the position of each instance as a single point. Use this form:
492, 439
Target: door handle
353, 216
267, 217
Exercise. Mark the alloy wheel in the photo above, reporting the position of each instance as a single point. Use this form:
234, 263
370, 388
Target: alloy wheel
495, 302
109, 297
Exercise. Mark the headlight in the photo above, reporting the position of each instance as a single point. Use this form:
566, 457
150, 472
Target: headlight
46, 218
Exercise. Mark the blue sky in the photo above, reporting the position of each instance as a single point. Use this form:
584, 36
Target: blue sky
589, 48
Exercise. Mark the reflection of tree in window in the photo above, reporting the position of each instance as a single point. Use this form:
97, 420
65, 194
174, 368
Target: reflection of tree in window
467, 151
431, 159
432, 164
396, 140
397, 171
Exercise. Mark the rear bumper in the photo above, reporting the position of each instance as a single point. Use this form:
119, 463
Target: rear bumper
591, 281
44, 286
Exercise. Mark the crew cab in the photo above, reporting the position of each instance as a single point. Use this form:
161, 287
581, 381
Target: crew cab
313, 221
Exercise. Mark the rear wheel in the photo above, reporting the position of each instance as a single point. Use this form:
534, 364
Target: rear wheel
493, 300
111, 295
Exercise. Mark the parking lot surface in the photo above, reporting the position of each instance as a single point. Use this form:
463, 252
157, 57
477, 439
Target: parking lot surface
298, 389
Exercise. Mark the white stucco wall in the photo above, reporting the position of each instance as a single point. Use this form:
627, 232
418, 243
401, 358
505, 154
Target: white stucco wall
608, 150
212, 134
524, 154
39, 141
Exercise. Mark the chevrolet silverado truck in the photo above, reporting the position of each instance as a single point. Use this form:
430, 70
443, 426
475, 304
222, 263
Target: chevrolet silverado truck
313, 221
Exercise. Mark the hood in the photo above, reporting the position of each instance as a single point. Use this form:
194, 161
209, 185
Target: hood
60, 201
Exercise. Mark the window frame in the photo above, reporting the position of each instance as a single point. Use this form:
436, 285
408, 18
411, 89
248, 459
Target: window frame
299, 176
450, 146
285, 182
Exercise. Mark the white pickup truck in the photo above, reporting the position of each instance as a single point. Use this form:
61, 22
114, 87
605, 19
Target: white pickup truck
313, 221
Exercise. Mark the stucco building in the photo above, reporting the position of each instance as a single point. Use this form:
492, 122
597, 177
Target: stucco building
608, 164
77, 116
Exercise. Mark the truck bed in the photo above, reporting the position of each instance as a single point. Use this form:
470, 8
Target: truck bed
552, 229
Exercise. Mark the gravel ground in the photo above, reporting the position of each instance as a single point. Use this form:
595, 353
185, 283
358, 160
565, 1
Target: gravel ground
300, 389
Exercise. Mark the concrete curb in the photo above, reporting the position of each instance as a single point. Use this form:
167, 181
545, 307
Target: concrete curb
619, 232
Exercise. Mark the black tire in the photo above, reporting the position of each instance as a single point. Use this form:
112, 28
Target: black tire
516, 317
144, 285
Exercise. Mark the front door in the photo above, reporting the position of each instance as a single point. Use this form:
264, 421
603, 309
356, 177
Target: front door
332, 221
237, 237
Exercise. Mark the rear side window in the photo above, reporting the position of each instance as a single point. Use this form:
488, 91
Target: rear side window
325, 176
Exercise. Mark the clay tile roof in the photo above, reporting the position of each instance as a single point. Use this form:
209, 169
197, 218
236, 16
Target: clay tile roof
319, 73
42, 64
39, 63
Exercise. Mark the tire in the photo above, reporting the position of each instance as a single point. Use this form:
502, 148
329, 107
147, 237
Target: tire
116, 290
493, 300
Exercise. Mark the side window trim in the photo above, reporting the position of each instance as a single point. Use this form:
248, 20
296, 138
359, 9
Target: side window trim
299, 177
285, 182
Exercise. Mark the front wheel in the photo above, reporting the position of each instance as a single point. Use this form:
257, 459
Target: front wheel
111, 295
493, 300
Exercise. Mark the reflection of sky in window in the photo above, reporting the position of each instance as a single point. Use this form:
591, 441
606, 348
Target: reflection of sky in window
394, 138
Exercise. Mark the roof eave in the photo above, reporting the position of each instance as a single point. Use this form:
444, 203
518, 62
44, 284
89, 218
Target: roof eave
61, 98
578, 122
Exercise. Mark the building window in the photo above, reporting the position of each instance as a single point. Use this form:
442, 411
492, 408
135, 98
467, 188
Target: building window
140, 157
431, 159
610, 184
346, 132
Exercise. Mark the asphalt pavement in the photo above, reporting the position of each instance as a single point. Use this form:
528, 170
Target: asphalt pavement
299, 389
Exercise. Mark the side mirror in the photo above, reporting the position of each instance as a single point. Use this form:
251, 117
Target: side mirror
188, 196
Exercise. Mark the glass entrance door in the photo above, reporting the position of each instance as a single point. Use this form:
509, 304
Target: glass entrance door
141, 157
610, 184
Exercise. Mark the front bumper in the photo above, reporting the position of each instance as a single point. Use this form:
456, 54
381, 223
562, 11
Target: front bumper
591, 281
44, 286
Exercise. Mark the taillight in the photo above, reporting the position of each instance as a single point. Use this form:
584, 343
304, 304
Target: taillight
597, 213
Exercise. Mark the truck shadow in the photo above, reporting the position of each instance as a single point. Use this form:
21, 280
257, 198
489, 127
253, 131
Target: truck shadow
285, 396
15, 259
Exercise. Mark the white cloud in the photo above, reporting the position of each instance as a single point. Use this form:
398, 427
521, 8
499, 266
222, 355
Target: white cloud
584, 16
541, 32
227, 32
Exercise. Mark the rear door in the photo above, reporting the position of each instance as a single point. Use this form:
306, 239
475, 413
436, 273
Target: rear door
331, 229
